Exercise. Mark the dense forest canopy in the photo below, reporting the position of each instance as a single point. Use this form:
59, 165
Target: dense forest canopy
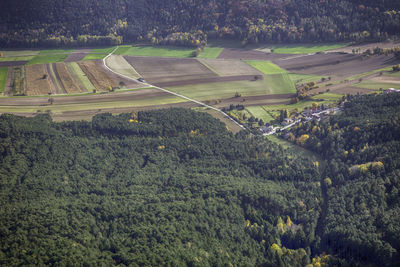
106, 22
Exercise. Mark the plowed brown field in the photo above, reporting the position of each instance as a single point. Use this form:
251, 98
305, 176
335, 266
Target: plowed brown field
36, 81
99, 78
66, 79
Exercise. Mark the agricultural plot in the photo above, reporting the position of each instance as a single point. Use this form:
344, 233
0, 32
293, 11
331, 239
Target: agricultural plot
377, 83
97, 76
55, 83
393, 74
118, 64
93, 57
18, 81
37, 80
164, 51
304, 78
159, 70
74, 57
19, 53
66, 79
106, 50
45, 59
304, 49
210, 52
11, 59
260, 113
249, 54
3, 78
80, 77
266, 67
229, 67
56, 51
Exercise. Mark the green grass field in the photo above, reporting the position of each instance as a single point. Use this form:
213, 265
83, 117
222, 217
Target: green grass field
272, 84
305, 49
94, 56
392, 74
106, 50
298, 78
159, 51
260, 112
19, 53
374, 85
210, 52
3, 78
76, 70
265, 67
45, 59
56, 51
24, 58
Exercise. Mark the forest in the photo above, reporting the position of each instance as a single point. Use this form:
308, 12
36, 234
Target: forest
39, 23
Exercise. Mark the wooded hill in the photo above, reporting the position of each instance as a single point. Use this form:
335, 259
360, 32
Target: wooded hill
182, 22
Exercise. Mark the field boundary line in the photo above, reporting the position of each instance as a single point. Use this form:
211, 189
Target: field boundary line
170, 92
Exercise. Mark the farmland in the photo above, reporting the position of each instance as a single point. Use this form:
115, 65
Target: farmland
120, 65
45, 59
67, 81
229, 67
80, 77
36, 80
93, 57
3, 78
165, 51
304, 49
266, 67
97, 76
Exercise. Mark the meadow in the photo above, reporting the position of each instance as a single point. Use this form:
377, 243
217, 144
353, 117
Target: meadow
3, 78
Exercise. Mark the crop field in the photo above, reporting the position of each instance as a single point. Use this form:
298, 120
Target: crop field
378, 84
304, 78
56, 84
19, 53
210, 52
18, 81
80, 77
229, 67
21, 58
266, 67
393, 74
70, 86
158, 70
45, 59
304, 49
56, 51
75, 57
3, 78
249, 54
106, 50
260, 113
165, 51
271, 84
118, 64
93, 57
97, 76
37, 80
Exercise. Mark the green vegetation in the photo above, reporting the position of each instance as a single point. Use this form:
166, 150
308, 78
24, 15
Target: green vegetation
45, 59
19, 53
210, 52
94, 57
392, 74
110, 189
298, 78
271, 84
266, 67
164, 51
305, 48
106, 50
376, 85
260, 113
3, 78
22, 58
54, 78
77, 71
56, 51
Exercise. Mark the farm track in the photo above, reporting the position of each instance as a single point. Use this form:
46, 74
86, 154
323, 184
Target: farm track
210, 80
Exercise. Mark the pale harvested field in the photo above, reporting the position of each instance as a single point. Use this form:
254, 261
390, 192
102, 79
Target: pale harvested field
229, 67
98, 77
66, 79
118, 64
158, 70
385, 79
35, 84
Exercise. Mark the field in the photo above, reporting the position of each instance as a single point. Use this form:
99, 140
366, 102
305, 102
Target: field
37, 80
249, 54
22, 58
266, 67
106, 50
376, 84
18, 81
80, 77
66, 79
45, 59
164, 51
19, 53
260, 113
56, 51
304, 78
93, 57
74, 57
118, 64
53, 79
304, 49
210, 52
97, 76
3, 78
393, 74
229, 67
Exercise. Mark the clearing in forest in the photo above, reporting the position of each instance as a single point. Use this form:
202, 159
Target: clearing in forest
37, 80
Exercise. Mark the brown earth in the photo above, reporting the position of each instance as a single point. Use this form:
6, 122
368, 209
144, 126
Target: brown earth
249, 54
98, 77
51, 79
160, 70
12, 63
35, 84
75, 57
211, 80
128, 83
58, 77
335, 64
66, 79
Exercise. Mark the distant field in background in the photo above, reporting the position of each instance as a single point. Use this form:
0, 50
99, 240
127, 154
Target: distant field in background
106, 50
94, 57
19, 53
21, 58
56, 51
298, 78
164, 51
304, 49
118, 64
3, 78
45, 59
266, 67
210, 52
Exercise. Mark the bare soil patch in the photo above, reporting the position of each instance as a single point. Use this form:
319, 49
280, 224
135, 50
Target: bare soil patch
12, 63
211, 80
334, 64
229, 67
66, 79
159, 70
97, 76
75, 57
249, 54
37, 80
